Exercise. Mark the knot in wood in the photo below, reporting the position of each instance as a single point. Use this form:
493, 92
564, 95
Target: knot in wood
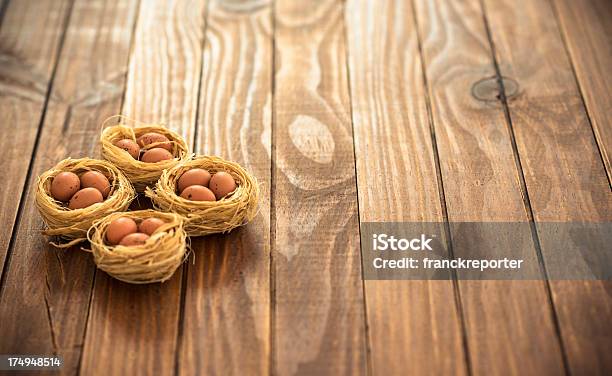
489, 89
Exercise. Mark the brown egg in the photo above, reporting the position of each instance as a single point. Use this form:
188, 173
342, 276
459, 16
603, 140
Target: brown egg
120, 228
84, 198
222, 184
149, 225
97, 180
152, 137
198, 193
156, 155
130, 146
196, 176
134, 240
64, 185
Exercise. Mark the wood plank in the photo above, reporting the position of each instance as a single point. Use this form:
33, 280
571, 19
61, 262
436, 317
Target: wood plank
564, 173
25, 74
134, 329
586, 28
393, 144
507, 322
46, 295
319, 324
226, 328
165, 65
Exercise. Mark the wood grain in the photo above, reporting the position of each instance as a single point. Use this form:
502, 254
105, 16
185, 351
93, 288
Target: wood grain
344, 111
134, 329
506, 321
318, 313
587, 28
226, 329
48, 307
564, 173
165, 65
25, 75
397, 181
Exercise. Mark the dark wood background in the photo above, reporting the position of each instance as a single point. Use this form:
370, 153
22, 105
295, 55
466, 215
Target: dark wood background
346, 112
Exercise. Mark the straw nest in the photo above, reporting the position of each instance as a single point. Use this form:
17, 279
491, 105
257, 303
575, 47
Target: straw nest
154, 261
141, 174
71, 226
208, 217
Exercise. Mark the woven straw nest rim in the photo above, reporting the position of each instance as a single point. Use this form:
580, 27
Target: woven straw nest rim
155, 261
72, 224
140, 173
208, 217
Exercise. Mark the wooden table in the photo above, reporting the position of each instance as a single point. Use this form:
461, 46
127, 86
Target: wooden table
346, 112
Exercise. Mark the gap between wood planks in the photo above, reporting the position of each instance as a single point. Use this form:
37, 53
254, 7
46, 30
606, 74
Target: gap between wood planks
272, 263
524, 191
368, 346
434, 143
